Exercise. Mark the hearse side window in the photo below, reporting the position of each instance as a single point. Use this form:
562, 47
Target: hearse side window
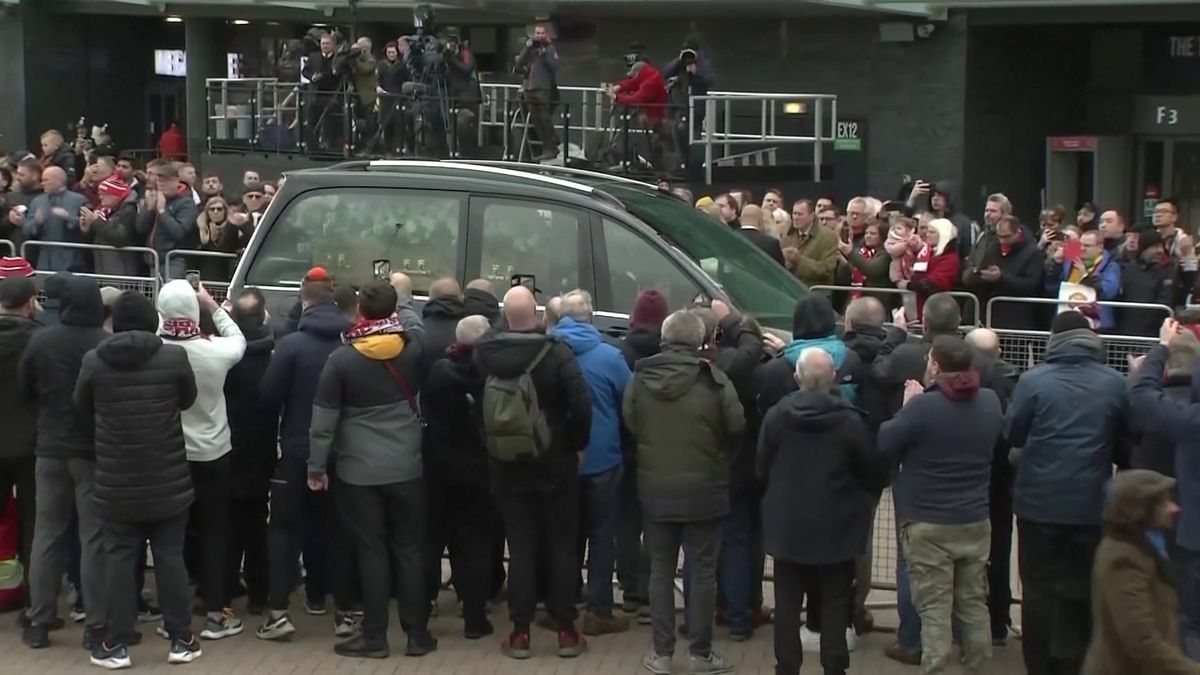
634, 265
346, 230
527, 238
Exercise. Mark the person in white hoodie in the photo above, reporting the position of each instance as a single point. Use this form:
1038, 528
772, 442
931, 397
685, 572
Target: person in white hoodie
206, 437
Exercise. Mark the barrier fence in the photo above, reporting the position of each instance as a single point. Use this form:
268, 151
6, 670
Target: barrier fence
8, 244
147, 286
219, 290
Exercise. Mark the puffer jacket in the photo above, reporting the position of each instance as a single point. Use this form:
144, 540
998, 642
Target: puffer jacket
686, 417
1070, 416
130, 393
50, 368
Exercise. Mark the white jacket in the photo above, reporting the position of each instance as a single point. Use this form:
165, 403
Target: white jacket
206, 423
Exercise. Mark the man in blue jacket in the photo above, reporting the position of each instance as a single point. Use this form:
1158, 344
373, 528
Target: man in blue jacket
1179, 422
607, 373
1070, 417
290, 385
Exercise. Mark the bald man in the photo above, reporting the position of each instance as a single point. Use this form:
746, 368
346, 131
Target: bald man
440, 316
985, 341
536, 483
53, 216
480, 298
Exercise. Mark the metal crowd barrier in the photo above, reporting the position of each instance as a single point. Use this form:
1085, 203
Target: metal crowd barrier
218, 289
8, 243
870, 290
147, 286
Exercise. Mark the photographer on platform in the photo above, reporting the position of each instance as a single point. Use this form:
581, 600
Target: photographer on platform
538, 66
462, 87
645, 91
391, 75
691, 74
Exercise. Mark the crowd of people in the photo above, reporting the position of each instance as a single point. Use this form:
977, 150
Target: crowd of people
165, 206
367, 439
925, 244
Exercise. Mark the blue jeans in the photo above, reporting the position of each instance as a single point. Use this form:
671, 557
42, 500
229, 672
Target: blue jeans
735, 576
600, 497
1188, 569
908, 634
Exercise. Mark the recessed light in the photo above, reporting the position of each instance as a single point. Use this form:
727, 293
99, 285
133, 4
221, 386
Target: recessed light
174, 19
795, 108
241, 22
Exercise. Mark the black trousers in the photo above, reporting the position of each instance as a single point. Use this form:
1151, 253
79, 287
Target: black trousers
248, 560
125, 544
1056, 573
19, 473
541, 118
293, 506
549, 522
461, 519
386, 524
212, 521
833, 584
1000, 560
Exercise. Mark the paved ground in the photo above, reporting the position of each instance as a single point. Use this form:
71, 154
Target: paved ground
312, 652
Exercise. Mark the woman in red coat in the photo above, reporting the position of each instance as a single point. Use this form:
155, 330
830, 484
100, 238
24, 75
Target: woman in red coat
936, 267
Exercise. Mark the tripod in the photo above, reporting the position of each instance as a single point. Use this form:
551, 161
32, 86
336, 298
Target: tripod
319, 131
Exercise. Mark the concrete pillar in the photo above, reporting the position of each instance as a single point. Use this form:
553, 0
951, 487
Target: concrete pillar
205, 59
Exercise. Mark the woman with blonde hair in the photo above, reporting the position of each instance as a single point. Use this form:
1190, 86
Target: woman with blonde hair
218, 234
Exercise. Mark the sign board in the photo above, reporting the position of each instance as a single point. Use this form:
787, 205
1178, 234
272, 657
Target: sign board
847, 138
1172, 52
1073, 143
1169, 115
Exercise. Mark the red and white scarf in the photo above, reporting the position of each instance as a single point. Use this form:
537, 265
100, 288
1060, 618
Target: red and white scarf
180, 329
857, 278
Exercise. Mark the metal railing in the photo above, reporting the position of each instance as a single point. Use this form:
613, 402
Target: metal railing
8, 243
1016, 300
218, 289
147, 286
267, 115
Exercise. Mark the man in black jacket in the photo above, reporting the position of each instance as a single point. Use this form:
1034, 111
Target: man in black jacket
540, 500
130, 393
65, 462
480, 298
253, 433
821, 473
751, 219
440, 315
1012, 265
365, 414
1151, 277
18, 306
457, 469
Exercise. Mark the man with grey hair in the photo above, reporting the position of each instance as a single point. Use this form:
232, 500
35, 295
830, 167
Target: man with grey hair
53, 216
539, 497
602, 469
553, 312
685, 415
457, 472
817, 462
974, 245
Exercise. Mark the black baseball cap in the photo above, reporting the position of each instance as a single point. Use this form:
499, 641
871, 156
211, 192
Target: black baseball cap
16, 292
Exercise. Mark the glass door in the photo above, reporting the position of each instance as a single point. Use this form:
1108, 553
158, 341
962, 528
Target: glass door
1185, 181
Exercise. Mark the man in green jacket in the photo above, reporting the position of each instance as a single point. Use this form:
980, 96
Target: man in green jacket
686, 417
809, 250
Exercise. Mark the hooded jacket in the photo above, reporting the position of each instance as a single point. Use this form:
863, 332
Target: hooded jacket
365, 412
640, 343
1021, 275
131, 392
646, 89
1154, 283
1070, 417
452, 398
686, 417
205, 424
564, 398
1178, 421
440, 317
290, 383
252, 428
18, 417
54, 287
740, 355
1153, 448
943, 442
50, 368
481, 303
607, 375
967, 230
821, 471
813, 325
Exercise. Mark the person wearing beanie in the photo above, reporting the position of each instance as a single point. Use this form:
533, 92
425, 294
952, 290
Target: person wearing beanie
1151, 277
65, 462
206, 436
1070, 417
15, 267
1136, 624
18, 417
132, 391
814, 324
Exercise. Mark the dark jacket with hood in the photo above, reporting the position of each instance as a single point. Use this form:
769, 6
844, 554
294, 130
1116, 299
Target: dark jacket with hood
966, 233
18, 416
1022, 274
452, 397
813, 325
290, 382
686, 417
482, 303
943, 442
640, 343
130, 393
873, 397
51, 365
1153, 283
52, 307
252, 426
441, 317
563, 397
740, 355
365, 412
1070, 417
821, 472
1179, 423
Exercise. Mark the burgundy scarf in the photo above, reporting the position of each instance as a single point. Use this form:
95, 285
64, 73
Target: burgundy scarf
857, 278
180, 329
368, 327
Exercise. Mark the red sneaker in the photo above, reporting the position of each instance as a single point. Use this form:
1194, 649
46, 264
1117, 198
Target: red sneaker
516, 645
570, 644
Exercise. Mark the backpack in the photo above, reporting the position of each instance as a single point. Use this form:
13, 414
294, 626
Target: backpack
513, 421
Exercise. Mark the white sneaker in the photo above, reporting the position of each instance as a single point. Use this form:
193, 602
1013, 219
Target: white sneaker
851, 640
810, 641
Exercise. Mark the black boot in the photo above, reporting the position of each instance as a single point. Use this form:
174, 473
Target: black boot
358, 647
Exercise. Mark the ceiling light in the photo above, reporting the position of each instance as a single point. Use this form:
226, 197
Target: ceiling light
174, 19
241, 22
795, 108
